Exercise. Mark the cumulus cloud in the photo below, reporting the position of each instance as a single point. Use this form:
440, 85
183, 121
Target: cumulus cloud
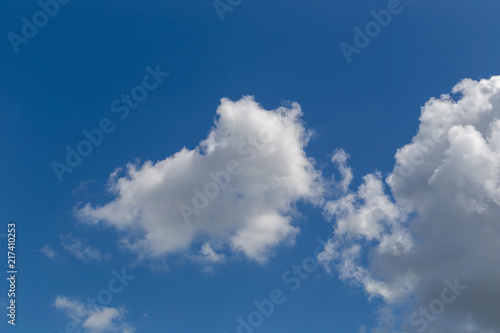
237, 188
85, 253
435, 218
48, 251
94, 318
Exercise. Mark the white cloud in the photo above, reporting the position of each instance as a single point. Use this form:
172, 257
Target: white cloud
48, 251
94, 318
362, 329
442, 220
103, 319
160, 207
210, 255
82, 252
340, 158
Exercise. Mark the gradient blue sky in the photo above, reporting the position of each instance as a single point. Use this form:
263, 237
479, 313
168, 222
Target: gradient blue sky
65, 78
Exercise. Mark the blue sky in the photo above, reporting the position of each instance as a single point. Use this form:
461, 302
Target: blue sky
64, 80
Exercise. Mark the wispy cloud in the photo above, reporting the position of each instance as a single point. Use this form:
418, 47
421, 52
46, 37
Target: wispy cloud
48, 251
83, 252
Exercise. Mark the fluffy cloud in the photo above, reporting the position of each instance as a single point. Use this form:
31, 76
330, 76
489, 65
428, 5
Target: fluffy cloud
93, 318
442, 221
236, 190
82, 252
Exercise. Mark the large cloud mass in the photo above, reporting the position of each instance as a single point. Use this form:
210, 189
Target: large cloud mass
236, 190
440, 227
